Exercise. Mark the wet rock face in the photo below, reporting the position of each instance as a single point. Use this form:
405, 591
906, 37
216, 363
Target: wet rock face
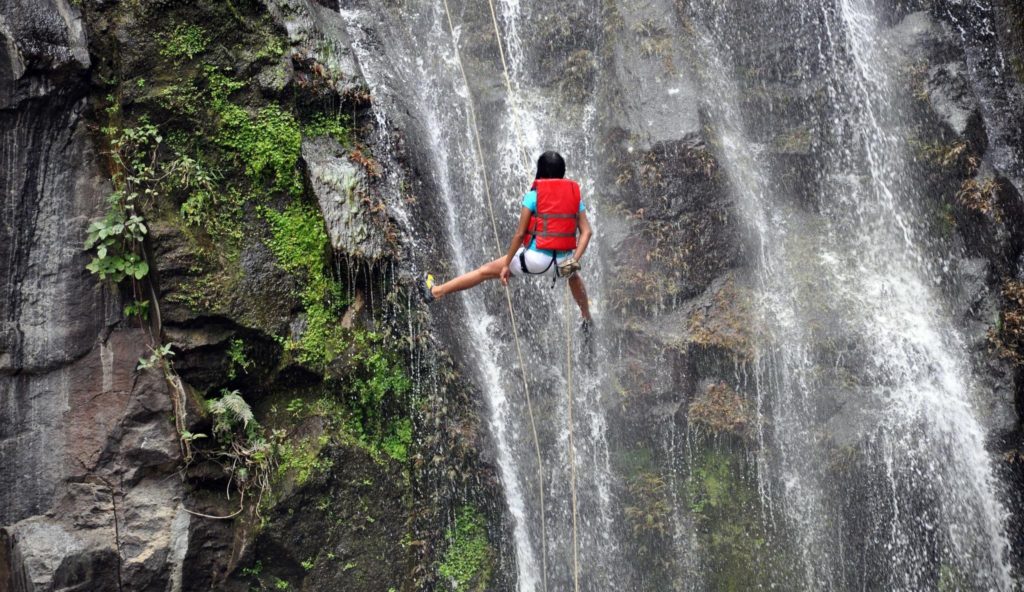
51, 313
85, 446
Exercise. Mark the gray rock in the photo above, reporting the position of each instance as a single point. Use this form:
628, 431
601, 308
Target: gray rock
658, 103
340, 187
74, 416
319, 30
950, 96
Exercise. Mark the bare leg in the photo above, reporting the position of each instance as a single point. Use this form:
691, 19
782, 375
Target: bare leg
487, 271
579, 293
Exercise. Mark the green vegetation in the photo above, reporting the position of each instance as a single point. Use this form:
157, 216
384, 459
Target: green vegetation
184, 42
380, 389
335, 126
242, 449
726, 506
367, 409
299, 241
207, 206
396, 443
268, 142
137, 308
648, 512
301, 458
116, 239
469, 560
227, 176
237, 360
254, 571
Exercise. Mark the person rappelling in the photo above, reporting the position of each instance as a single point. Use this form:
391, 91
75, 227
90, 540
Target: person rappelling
545, 242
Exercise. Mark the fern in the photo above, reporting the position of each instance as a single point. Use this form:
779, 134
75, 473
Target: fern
230, 410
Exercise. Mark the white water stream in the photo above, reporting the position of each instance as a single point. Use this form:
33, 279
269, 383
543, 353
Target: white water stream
848, 291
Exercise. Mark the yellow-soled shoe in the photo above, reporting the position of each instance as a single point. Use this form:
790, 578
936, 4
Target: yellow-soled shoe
426, 283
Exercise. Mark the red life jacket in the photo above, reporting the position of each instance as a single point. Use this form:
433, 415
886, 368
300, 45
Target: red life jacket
554, 222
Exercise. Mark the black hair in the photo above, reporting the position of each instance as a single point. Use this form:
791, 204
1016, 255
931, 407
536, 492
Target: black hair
550, 165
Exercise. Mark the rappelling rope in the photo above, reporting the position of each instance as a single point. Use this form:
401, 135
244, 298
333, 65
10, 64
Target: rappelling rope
572, 443
568, 324
515, 334
508, 295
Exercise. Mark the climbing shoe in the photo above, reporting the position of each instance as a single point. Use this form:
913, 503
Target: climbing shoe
426, 283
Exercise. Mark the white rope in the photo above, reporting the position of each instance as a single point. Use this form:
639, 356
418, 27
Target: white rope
508, 298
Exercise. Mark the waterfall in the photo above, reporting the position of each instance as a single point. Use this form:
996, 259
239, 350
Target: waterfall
860, 369
528, 119
857, 317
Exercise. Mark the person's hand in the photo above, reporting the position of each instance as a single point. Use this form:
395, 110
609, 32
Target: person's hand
504, 275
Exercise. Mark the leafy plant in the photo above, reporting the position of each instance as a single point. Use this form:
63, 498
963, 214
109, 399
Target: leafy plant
160, 353
469, 560
115, 256
185, 41
116, 239
229, 411
137, 308
243, 451
237, 360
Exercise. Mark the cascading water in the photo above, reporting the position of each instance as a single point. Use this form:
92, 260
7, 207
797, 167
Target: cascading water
510, 126
859, 361
855, 314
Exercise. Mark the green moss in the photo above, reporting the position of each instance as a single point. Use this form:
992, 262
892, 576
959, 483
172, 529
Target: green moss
301, 458
335, 126
469, 560
726, 506
184, 42
299, 240
268, 142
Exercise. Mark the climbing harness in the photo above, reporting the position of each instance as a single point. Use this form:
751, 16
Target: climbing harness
508, 300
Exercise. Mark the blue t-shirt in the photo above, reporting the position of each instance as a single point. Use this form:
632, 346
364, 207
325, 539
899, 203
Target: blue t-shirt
530, 203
